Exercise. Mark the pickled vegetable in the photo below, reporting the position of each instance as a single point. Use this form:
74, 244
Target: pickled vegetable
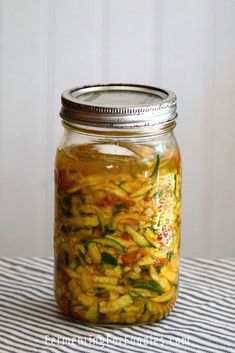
117, 233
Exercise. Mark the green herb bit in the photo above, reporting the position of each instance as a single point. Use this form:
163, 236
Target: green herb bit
66, 229
131, 280
169, 255
159, 194
144, 269
158, 268
152, 227
150, 285
109, 259
166, 302
59, 264
121, 206
155, 170
82, 214
65, 255
66, 206
82, 198
108, 229
67, 201
175, 181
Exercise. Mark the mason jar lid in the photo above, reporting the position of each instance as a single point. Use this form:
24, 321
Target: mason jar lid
118, 105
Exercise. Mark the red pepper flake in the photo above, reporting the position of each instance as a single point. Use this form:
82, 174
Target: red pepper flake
126, 236
85, 172
156, 262
129, 203
63, 181
131, 221
129, 258
108, 200
163, 261
64, 305
64, 276
147, 198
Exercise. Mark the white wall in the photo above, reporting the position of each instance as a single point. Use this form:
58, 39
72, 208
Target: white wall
47, 46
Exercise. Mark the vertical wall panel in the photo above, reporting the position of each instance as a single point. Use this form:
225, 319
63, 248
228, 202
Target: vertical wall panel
130, 44
21, 218
222, 144
78, 46
48, 138
76, 32
184, 70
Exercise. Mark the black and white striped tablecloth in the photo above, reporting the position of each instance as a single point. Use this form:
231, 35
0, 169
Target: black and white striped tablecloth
203, 319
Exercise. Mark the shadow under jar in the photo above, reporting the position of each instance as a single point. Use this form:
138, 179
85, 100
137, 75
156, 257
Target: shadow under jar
117, 205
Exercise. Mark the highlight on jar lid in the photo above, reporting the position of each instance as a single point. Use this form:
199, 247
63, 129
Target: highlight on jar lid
118, 105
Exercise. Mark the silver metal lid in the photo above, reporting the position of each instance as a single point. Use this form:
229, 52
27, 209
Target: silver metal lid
118, 105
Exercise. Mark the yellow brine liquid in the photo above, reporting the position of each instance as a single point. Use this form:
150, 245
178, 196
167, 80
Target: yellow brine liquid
117, 232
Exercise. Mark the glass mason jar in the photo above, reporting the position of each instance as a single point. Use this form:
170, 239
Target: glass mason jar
117, 205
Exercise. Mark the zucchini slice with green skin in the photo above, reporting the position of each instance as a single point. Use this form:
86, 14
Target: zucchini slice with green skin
156, 167
117, 304
108, 242
94, 252
151, 285
105, 279
137, 237
123, 242
92, 313
155, 308
142, 191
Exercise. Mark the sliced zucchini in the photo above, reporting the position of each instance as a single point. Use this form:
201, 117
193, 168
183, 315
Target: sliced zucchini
137, 237
151, 285
94, 252
164, 283
86, 221
115, 305
86, 300
111, 287
92, 313
144, 293
114, 272
146, 260
172, 276
126, 186
155, 253
164, 297
71, 273
123, 242
156, 167
151, 237
108, 242
112, 189
105, 279
142, 191
155, 308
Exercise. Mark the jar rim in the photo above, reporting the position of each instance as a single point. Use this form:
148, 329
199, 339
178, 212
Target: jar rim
118, 105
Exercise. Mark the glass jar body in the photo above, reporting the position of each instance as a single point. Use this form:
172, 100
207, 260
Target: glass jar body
117, 226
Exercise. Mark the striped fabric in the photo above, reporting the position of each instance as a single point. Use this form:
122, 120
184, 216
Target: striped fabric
203, 319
